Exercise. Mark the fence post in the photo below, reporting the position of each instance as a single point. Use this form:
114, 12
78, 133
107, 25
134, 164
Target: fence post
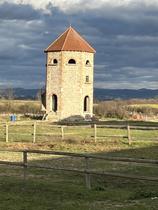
95, 132
25, 163
87, 175
34, 132
129, 135
62, 132
7, 133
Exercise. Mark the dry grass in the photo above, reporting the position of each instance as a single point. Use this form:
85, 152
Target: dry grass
19, 106
155, 106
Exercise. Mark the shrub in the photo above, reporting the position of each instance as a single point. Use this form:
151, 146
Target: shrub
125, 108
112, 109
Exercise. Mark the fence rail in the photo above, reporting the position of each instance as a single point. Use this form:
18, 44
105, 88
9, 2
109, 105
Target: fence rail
25, 164
62, 131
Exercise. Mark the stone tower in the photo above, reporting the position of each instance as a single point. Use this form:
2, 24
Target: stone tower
69, 77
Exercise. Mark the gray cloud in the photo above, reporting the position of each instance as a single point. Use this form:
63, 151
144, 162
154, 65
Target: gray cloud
11, 11
126, 41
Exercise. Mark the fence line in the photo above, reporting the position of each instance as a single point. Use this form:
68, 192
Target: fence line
34, 132
62, 131
87, 171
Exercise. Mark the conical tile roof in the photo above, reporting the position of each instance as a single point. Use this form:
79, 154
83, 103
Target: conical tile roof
70, 40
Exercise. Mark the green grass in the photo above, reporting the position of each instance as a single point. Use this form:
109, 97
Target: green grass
52, 190
46, 132
69, 194
47, 190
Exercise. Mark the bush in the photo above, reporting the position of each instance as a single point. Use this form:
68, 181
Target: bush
111, 109
123, 109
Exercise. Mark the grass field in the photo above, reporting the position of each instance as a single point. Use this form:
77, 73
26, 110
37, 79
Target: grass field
155, 106
46, 132
54, 190
68, 193
19, 102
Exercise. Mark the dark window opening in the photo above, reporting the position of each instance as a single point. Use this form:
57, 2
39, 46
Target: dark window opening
87, 63
55, 62
71, 61
87, 78
54, 103
86, 104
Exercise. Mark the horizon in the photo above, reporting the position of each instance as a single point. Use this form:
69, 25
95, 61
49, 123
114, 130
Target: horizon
93, 88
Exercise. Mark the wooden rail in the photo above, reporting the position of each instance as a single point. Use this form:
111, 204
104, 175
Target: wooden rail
86, 171
62, 131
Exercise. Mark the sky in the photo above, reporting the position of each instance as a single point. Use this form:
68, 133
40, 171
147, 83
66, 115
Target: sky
123, 32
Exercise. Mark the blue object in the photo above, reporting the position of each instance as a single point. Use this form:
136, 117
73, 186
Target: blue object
13, 118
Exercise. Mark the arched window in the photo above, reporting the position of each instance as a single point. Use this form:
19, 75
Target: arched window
87, 63
71, 61
86, 104
55, 62
54, 103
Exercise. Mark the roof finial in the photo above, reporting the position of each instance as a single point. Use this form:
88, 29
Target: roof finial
69, 23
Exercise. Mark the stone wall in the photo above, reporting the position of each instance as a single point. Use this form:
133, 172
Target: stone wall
68, 82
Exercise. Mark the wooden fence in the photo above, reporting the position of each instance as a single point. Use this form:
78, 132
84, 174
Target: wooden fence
87, 172
62, 131
129, 129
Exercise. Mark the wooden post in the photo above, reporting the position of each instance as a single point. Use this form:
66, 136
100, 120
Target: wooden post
62, 132
129, 135
25, 163
34, 132
95, 132
87, 175
7, 133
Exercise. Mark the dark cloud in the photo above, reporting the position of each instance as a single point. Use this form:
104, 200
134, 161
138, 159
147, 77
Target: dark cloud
10, 11
126, 42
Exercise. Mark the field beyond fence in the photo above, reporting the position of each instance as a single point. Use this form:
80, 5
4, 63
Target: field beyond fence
40, 132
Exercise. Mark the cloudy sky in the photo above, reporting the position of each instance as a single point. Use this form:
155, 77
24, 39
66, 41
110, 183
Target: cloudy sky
123, 32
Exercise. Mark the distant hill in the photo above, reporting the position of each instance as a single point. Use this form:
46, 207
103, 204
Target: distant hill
19, 93
100, 94
107, 94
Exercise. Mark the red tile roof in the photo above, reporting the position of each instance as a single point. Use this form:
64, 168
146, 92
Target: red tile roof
70, 40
